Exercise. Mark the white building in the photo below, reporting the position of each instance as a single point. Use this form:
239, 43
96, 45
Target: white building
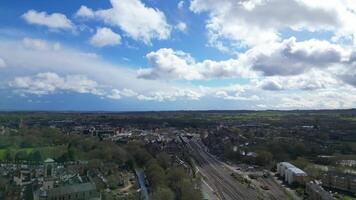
282, 167
291, 173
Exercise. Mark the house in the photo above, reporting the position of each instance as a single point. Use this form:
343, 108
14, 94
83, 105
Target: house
83, 191
23, 176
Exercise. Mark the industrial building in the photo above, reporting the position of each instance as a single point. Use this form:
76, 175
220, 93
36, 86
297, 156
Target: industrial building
291, 173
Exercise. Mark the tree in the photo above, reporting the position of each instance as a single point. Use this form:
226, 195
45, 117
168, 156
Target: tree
8, 156
188, 192
35, 156
21, 155
142, 157
155, 174
263, 158
164, 159
301, 162
175, 177
162, 193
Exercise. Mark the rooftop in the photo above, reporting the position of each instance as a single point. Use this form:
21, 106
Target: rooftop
296, 170
49, 160
71, 189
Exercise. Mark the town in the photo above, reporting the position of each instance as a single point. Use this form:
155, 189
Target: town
178, 155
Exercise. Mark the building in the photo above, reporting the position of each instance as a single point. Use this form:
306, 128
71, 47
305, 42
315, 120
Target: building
49, 167
84, 191
316, 192
282, 167
295, 175
23, 176
291, 173
340, 181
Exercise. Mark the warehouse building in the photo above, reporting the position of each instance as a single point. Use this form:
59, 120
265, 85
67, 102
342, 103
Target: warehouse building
291, 173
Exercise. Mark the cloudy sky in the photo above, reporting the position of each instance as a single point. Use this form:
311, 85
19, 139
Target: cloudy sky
133, 55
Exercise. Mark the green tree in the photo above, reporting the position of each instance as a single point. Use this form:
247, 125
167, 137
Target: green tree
263, 158
21, 155
175, 178
35, 156
155, 174
162, 193
8, 156
189, 192
164, 159
141, 156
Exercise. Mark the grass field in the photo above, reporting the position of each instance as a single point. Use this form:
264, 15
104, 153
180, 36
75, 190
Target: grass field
46, 152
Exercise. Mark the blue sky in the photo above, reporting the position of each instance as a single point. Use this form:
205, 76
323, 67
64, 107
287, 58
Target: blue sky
134, 55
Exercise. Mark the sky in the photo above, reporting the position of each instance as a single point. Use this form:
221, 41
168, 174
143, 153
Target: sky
147, 55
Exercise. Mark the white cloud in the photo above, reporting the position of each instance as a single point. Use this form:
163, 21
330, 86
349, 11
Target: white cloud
173, 95
52, 21
292, 58
313, 80
256, 22
331, 98
47, 83
287, 58
170, 64
39, 44
118, 94
327, 83
85, 12
51, 71
134, 18
180, 4
225, 95
2, 63
286, 66
105, 37
181, 26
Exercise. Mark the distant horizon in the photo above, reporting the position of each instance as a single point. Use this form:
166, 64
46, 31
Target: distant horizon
153, 111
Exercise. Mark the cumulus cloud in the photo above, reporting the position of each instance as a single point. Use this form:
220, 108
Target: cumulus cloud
256, 22
52, 21
85, 12
2, 63
292, 58
134, 18
170, 64
286, 58
47, 83
167, 64
105, 37
181, 26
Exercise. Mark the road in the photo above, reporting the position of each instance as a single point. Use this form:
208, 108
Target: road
219, 177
